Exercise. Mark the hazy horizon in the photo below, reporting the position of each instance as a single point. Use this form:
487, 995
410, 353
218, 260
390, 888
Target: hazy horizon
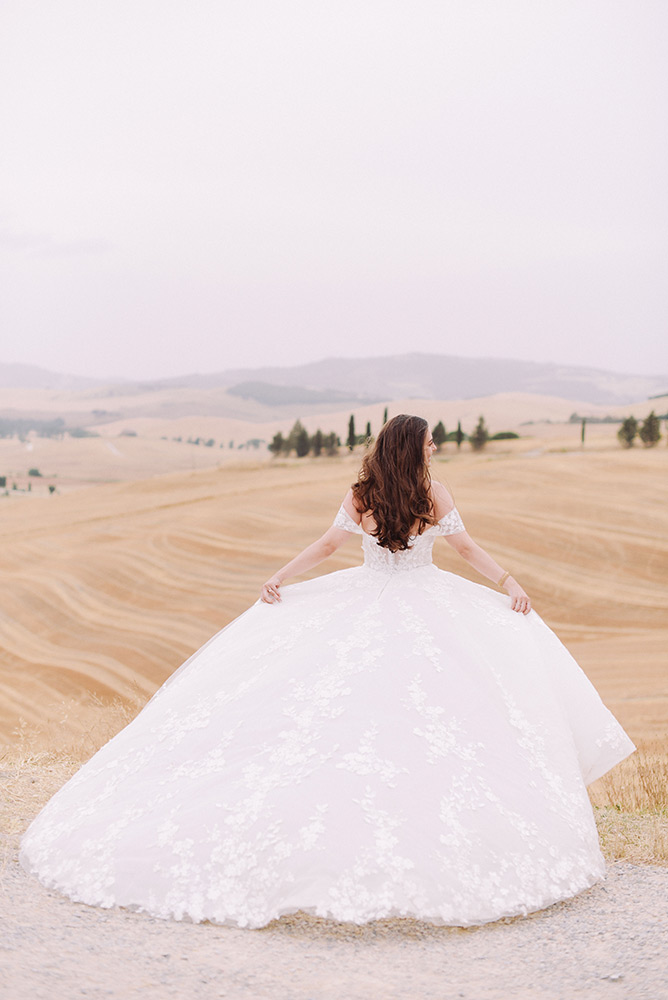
129, 377
195, 187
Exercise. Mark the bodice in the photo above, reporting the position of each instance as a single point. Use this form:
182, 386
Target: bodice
419, 552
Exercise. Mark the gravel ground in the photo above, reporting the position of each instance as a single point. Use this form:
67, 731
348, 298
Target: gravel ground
609, 942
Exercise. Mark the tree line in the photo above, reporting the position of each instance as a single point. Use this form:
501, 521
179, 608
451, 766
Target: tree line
302, 443
22, 426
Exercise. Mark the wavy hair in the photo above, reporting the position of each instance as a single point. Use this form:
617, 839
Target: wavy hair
393, 484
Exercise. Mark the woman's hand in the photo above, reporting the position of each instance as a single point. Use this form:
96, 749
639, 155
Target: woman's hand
271, 591
311, 556
521, 601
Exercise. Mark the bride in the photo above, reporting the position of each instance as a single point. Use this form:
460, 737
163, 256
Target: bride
387, 740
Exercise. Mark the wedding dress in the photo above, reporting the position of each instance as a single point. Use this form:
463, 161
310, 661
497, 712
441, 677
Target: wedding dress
390, 740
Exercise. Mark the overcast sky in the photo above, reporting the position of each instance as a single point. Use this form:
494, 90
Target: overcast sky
193, 185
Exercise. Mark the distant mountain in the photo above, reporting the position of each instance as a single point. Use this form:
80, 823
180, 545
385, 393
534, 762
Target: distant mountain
438, 376
33, 377
363, 380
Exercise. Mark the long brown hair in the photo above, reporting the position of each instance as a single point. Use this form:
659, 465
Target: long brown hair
394, 483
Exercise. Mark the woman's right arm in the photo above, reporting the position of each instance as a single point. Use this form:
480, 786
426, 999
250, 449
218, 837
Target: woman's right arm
312, 555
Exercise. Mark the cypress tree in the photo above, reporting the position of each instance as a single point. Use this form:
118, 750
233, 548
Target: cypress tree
277, 444
384, 416
317, 442
459, 435
480, 435
439, 435
352, 437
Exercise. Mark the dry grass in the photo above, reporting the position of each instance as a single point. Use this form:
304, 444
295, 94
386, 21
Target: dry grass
639, 784
27, 785
631, 807
42, 758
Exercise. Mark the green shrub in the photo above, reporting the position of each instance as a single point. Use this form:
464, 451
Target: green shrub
81, 432
628, 431
650, 433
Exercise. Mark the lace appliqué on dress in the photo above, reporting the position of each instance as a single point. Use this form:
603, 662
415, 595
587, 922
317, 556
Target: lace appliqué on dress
450, 524
418, 553
345, 521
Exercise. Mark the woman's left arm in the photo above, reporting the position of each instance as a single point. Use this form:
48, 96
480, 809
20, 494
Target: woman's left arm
476, 556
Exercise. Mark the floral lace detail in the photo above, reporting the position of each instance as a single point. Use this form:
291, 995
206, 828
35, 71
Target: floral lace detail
366, 759
345, 521
450, 524
419, 552
424, 647
442, 733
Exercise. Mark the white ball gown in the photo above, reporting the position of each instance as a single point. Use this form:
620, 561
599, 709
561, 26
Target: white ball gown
390, 740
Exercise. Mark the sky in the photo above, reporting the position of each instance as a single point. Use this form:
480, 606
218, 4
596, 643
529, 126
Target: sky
195, 185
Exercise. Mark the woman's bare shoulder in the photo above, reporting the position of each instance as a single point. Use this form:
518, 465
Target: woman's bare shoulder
442, 499
350, 506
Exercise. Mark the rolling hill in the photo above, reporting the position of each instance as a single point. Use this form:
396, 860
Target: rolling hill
355, 380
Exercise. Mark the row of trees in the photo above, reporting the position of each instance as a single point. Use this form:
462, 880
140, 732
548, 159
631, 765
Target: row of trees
477, 439
21, 427
301, 443
649, 431
208, 442
28, 489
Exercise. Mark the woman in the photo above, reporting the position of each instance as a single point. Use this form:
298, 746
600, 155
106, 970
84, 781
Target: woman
387, 740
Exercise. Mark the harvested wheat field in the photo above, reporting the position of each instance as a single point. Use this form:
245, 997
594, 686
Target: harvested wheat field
108, 589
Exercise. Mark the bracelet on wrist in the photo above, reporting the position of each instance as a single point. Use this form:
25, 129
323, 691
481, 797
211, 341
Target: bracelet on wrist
503, 579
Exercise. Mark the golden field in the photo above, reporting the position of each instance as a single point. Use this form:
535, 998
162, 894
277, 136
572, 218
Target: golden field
107, 589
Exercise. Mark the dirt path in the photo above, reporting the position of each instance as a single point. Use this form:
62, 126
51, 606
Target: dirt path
610, 942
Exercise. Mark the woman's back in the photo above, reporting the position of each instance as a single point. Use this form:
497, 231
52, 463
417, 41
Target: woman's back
419, 551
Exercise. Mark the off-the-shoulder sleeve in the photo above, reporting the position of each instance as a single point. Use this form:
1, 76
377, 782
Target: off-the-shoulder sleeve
451, 523
345, 521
